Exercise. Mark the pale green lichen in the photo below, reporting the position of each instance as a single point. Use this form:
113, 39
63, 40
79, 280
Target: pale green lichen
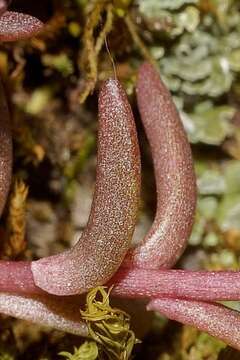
211, 182
209, 124
152, 7
203, 64
228, 214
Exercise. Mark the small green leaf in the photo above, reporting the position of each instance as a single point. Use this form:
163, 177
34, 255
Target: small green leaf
87, 351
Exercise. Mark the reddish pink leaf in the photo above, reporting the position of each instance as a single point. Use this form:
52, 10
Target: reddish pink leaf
106, 239
62, 314
216, 320
174, 173
17, 26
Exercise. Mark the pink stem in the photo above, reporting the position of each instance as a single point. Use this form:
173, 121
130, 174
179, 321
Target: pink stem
174, 174
17, 26
17, 277
216, 320
199, 285
106, 239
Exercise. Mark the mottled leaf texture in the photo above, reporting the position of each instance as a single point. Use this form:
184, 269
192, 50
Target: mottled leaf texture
106, 239
216, 320
61, 314
174, 174
17, 26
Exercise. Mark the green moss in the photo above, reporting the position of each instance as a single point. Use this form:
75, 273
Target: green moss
87, 351
109, 327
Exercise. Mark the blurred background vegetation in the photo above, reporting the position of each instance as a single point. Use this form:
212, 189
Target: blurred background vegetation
52, 82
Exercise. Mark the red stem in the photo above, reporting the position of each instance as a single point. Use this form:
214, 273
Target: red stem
17, 277
198, 285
